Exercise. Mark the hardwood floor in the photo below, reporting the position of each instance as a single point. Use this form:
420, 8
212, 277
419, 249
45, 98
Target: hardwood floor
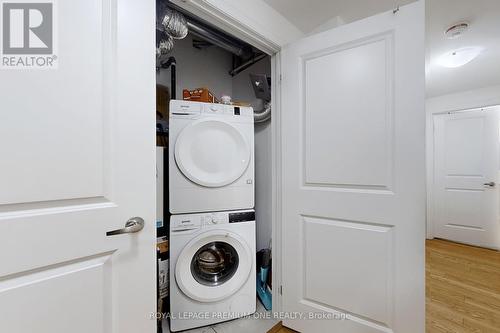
462, 288
279, 328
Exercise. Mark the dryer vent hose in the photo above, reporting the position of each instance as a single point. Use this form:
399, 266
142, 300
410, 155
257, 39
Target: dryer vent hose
263, 115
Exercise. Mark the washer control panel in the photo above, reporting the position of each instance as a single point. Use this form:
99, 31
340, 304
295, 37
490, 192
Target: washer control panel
187, 222
241, 216
213, 219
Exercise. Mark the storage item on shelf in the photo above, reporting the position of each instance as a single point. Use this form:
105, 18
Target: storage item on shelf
162, 106
162, 248
226, 99
162, 244
199, 95
263, 270
162, 100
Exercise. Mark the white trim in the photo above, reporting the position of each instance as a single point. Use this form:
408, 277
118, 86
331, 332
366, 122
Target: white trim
429, 151
267, 30
277, 183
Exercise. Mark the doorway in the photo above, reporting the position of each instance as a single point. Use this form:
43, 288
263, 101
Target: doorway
463, 227
465, 177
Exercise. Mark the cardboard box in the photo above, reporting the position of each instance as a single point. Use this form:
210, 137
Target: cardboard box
199, 95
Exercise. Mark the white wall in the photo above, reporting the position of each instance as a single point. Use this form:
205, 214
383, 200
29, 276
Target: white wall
464, 100
243, 91
199, 68
470, 99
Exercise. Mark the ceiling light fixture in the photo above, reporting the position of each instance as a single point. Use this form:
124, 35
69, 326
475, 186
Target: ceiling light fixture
459, 57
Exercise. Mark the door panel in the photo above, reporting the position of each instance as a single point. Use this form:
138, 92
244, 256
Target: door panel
362, 66
56, 125
466, 157
353, 176
52, 292
363, 286
79, 160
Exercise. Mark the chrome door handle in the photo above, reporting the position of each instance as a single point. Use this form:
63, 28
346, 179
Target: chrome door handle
490, 184
133, 225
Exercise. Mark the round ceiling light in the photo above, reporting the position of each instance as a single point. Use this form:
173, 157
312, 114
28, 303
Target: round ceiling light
459, 57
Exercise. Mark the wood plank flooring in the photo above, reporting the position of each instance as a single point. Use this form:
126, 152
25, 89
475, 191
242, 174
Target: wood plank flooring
462, 288
279, 328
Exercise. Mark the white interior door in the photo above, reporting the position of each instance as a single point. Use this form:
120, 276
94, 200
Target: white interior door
466, 166
353, 126
78, 160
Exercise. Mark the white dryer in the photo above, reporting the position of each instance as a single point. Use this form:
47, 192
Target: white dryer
212, 268
211, 157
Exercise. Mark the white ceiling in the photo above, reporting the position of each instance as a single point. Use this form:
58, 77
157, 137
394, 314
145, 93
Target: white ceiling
308, 15
484, 32
484, 16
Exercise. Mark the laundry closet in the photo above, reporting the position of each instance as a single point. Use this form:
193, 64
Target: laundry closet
213, 170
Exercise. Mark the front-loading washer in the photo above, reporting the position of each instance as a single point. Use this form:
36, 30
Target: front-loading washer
211, 157
212, 268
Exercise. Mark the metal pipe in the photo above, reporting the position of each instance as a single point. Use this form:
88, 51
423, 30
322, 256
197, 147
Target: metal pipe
171, 62
247, 64
204, 31
173, 79
217, 39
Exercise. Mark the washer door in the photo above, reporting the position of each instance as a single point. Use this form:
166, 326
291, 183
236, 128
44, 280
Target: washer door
212, 153
213, 266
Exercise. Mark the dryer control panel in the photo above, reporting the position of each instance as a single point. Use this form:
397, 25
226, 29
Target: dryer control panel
179, 108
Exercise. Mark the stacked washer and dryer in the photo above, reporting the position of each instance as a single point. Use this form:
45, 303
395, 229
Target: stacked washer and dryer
212, 229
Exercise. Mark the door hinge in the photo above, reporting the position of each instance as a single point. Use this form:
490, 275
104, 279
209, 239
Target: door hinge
281, 290
281, 78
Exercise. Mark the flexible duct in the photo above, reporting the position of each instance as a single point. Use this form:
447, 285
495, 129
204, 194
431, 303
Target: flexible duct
262, 115
170, 25
175, 24
161, 10
164, 45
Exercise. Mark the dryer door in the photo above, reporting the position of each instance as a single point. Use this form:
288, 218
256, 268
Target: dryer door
212, 153
213, 266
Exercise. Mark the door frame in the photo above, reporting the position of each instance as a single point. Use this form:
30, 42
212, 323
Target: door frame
429, 151
234, 23
266, 32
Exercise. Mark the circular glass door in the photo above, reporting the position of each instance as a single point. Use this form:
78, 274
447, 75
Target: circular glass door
213, 266
214, 263
212, 153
